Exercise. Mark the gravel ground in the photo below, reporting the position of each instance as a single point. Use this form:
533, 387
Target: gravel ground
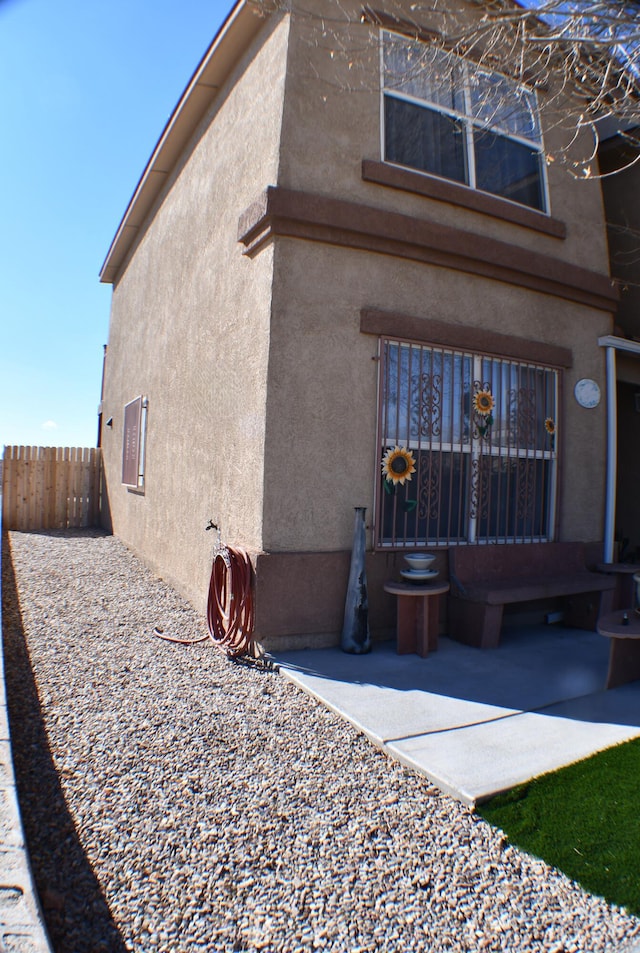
176, 801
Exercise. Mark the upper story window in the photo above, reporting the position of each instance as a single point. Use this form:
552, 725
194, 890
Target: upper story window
450, 118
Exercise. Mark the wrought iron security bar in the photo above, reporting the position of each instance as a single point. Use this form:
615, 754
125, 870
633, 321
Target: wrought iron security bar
481, 435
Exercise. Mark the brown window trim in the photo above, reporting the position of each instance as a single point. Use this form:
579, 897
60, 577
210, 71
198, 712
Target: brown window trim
464, 338
433, 187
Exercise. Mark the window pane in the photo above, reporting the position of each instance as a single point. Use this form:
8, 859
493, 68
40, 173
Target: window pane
433, 506
424, 139
423, 71
482, 437
525, 401
426, 396
512, 498
500, 102
508, 168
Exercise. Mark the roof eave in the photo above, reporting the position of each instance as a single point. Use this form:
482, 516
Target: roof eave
232, 39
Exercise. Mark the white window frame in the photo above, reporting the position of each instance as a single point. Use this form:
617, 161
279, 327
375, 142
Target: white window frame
467, 120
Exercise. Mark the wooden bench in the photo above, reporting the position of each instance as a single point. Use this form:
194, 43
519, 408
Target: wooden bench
486, 578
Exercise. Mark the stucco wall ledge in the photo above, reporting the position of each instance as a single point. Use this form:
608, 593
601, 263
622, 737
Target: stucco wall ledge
295, 214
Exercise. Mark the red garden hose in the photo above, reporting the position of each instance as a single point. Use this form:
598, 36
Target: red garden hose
230, 610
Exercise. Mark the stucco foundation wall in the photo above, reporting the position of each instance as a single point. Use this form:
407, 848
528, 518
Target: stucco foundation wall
190, 331
321, 457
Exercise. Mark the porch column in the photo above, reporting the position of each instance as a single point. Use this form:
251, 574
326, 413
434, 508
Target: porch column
612, 457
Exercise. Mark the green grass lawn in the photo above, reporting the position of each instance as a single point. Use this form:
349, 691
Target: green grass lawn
584, 819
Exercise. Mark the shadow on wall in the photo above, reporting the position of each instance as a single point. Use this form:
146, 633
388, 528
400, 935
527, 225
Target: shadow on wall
76, 913
105, 505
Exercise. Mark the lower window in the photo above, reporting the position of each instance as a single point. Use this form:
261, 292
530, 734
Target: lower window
467, 448
133, 443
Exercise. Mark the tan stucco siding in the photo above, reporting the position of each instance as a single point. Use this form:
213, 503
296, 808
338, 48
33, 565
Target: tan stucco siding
332, 121
190, 331
321, 456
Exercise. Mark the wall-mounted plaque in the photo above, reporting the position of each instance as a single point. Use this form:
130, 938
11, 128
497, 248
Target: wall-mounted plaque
587, 393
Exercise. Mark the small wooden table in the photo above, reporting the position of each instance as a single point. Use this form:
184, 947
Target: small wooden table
625, 585
417, 616
624, 656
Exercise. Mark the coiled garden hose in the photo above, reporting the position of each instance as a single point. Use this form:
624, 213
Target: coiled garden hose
230, 607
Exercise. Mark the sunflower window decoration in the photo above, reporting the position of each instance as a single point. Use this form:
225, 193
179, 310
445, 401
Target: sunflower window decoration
483, 404
398, 466
550, 427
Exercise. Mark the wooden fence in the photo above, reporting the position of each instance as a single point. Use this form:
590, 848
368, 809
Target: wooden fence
51, 487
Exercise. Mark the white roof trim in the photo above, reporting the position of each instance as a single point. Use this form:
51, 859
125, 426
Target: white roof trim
620, 344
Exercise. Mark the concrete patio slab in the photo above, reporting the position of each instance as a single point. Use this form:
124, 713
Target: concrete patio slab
476, 762
478, 722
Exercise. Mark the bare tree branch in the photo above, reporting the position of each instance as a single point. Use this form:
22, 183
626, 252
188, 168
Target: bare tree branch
581, 56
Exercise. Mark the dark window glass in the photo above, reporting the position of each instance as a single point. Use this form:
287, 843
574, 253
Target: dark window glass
508, 168
433, 506
513, 498
424, 139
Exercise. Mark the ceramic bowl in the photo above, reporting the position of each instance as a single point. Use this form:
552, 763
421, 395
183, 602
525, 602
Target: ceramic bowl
419, 560
419, 575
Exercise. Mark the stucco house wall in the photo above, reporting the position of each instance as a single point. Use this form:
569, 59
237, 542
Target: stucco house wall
332, 122
190, 330
324, 366
260, 355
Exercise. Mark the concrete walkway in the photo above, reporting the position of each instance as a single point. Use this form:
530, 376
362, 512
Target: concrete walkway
478, 722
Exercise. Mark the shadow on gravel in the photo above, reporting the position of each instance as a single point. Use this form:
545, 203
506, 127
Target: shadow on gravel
77, 916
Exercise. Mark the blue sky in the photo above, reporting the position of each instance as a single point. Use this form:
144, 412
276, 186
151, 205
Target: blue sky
86, 87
